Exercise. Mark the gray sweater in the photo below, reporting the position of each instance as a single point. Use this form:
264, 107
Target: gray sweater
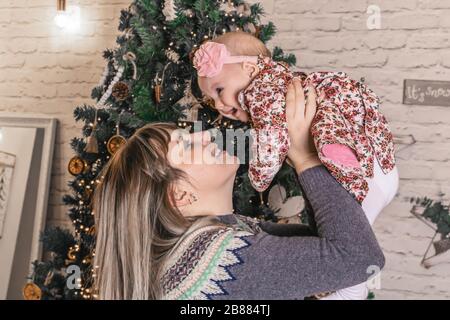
294, 261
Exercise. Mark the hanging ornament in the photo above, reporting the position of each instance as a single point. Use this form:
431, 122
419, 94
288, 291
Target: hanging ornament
49, 278
116, 141
258, 31
173, 56
227, 7
131, 57
120, 91
244, 10
441, 246
77, 165
159, 83
92, 143
32, 292
128, 33
169, 10
71, 254
108, 92
191, 103
158, 93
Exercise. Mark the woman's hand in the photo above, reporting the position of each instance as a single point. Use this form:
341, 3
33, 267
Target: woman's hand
302, 154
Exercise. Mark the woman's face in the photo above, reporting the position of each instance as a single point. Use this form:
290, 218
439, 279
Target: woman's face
207, 167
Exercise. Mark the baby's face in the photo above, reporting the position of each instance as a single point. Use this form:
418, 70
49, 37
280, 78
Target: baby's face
224, 90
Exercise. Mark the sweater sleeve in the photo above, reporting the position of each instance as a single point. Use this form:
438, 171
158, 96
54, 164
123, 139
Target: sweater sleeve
280, 267
286, 230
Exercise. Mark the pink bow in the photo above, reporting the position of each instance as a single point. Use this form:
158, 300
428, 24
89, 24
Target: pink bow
211, 56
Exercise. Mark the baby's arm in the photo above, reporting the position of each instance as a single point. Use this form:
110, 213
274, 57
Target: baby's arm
269, 134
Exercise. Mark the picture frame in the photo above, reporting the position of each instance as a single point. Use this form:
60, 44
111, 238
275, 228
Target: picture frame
30, 139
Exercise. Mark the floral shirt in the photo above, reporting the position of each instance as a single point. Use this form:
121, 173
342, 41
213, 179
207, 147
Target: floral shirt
347, 115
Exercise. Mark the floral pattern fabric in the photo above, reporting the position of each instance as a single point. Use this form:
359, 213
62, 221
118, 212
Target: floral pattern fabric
347, 114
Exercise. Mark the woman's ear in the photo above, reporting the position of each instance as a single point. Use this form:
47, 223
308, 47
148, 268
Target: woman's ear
180, 198
250, 68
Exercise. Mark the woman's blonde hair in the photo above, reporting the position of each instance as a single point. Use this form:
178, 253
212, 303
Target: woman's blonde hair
137, 224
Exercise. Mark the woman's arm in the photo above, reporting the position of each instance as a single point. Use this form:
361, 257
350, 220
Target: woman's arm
286, 229
276, 267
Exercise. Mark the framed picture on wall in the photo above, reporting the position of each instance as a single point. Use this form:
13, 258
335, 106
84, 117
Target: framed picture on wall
26, 153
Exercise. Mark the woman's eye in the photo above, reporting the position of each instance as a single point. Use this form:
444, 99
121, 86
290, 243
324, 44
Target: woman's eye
187, 143
219, 91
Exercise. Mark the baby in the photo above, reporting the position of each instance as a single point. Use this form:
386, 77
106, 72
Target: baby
351, 135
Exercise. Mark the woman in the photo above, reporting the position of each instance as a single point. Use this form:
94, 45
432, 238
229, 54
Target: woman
166, 228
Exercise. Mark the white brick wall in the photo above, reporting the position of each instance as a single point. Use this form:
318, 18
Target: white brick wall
44, 70
413, 42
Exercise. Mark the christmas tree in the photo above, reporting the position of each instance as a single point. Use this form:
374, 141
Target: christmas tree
148, 77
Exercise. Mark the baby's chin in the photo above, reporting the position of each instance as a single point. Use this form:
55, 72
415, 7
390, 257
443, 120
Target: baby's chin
239, 114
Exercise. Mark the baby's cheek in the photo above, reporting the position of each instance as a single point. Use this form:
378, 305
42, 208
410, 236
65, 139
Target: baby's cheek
341, 154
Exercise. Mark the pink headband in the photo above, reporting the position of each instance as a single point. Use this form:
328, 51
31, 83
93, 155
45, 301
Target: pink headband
211, 56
